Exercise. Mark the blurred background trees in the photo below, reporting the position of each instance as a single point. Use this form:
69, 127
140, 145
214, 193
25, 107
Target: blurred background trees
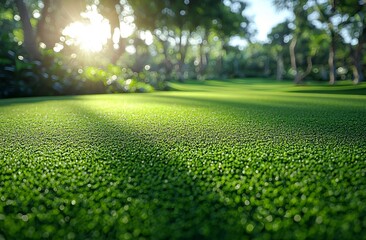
52, 47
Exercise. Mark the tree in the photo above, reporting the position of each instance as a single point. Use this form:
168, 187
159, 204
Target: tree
55, 16
302, 27
30, 42
113, 11
173, 23
327, 12
354, 16
279, 38
307, 14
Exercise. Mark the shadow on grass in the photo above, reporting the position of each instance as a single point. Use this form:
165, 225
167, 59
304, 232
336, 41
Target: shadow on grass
132, 178
166, 199
27, 100
214, 84
290, 117
336, 89
151, 191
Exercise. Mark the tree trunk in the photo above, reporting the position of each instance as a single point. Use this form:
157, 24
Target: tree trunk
30, 42
331, 59
180, 60
220, 65
267, 69
327, 18
168, 66
298, 76
308, 68
203, 55
357, 73
182, 54
357, 65
357, 58
280, 67
356, 77
112, 15
41, 26
297, 80
202, 60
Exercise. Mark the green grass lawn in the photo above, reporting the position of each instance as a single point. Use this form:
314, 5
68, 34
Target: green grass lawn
212, 160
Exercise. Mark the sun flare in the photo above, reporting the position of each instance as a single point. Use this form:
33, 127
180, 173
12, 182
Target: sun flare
90, 36
94, 32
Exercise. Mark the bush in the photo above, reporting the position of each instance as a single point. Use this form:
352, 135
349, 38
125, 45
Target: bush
20, 77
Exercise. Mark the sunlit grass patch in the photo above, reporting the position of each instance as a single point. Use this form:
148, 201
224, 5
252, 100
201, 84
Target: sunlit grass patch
216, 160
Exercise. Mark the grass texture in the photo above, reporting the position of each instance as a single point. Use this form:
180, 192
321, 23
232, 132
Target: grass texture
240, 159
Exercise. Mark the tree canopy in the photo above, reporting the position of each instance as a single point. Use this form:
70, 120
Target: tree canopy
83, 46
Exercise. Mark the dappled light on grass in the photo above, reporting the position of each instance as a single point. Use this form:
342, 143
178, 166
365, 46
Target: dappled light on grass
229, 163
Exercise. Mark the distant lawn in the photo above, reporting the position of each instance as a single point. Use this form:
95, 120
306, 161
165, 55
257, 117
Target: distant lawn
212, 160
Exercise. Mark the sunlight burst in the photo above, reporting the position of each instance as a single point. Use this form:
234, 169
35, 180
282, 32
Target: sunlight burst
91, 36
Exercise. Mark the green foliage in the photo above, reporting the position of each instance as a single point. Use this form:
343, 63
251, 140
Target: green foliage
243, 159
54, 76
117, 79
184, 40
